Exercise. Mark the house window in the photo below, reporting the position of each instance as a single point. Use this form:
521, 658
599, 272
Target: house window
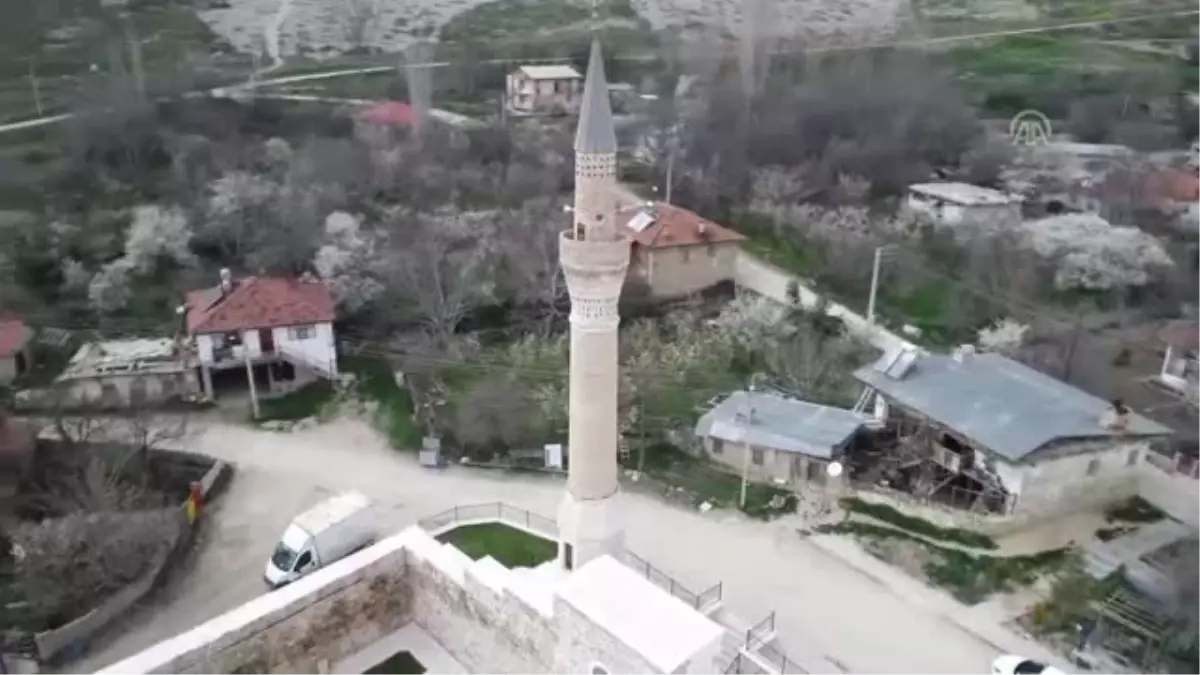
712, 251
685, 253
756, 456
1093, 467
718, 446
1132, 459
301, 332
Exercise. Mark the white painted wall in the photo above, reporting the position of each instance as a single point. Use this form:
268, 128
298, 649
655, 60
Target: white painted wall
772, 282
1063, 484
320, 346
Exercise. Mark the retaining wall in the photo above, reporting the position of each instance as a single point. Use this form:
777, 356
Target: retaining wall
771, 281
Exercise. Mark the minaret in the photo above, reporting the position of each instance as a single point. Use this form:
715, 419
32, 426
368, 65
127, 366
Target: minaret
594, 255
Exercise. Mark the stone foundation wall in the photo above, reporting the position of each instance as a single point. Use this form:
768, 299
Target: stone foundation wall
485, 630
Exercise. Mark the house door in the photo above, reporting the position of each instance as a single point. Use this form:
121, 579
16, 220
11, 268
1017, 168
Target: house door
266, 340
20, 363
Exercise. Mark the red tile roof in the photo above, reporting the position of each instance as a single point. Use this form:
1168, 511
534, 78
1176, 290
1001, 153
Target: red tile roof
13, 336
259, 302
675, 226
389, 114
1182, 334
1174, 185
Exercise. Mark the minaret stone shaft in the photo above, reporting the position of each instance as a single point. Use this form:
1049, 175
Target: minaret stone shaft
594, 255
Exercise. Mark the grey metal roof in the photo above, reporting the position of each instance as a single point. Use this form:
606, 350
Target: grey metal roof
595, 133
998, 403
780, 424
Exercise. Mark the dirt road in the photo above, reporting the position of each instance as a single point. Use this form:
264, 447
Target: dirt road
830, 616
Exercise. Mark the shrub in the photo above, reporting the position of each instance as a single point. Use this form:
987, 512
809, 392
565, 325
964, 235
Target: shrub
891, 516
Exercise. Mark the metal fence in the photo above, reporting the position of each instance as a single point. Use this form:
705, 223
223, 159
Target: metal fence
760, 632
771, 653
667, 583
744, 665
493, 511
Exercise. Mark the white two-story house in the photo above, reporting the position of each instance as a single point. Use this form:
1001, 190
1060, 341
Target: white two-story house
284, 324
544, 90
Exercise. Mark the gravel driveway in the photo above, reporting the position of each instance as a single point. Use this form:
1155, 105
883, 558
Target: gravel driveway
830, 616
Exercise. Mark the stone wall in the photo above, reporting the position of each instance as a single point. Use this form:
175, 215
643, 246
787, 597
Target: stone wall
772, 282
485, 629
303, 627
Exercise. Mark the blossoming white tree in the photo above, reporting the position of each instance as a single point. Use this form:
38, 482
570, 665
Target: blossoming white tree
346, 262
1092, 254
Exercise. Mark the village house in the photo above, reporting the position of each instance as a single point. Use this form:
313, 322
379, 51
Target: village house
123, 373
282, 325
543, 90
777, 439
965, 207
381, 122
15, 341
677, 252
984, 432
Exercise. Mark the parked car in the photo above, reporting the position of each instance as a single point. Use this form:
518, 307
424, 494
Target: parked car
1010, 664
327, 532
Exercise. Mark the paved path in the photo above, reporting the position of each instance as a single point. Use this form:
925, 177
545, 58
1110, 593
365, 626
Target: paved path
831, 615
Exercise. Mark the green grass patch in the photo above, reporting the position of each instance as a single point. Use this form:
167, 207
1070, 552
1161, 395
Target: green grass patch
1134, 510
763, 241
400, 663
305, 402
394, 416
509, 546
707, 481
891, 516
969, 578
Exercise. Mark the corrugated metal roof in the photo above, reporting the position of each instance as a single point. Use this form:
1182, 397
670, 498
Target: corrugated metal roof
999, 404
780, 424
596, 134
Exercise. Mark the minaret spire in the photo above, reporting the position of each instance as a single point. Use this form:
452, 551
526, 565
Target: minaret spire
595, 134
594, 255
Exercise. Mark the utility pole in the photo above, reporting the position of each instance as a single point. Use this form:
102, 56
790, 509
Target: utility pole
250, 377
33, 84
879, 251
746, 453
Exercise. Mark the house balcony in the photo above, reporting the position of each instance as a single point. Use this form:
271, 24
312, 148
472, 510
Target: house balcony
236, 355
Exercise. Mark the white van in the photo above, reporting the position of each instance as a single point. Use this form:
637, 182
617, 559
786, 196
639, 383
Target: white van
327, 532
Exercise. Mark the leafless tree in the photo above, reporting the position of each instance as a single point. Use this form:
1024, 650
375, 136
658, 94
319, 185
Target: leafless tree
439, 275
68, 565
531, 266
496, 413
815, 366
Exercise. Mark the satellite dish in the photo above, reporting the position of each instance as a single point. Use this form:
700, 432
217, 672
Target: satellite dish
834, 469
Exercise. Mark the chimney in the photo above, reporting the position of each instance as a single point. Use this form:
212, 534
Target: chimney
1116, 418
702, 229
226, 281
964, 353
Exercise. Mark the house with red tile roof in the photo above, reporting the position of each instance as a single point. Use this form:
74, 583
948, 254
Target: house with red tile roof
677, 252
283, 324
16, 339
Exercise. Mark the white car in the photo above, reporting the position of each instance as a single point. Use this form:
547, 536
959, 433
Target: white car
1010, 664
